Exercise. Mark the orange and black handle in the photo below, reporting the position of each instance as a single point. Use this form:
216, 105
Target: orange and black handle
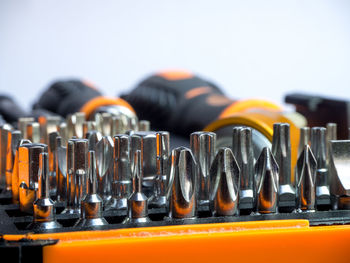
70, 96
181, 102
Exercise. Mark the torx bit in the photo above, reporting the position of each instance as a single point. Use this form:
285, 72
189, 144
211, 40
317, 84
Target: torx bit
304, 139
44, 210
267, 183
163, 147
4, 132
306, 170
318, 147
104, 155
28, 167
224, 185
281, 150
340, 170
144, 125
13, 139
245, 160
203, 146
182, 185
61, 170
15, 173
91, 205
137, 201
121, 184
77, 159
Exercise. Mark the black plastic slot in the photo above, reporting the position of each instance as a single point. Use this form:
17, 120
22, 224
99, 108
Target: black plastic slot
22, 225
157, 217
15, 213
5, 201
67, 222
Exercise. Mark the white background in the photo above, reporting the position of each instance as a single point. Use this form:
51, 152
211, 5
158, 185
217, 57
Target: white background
251, 48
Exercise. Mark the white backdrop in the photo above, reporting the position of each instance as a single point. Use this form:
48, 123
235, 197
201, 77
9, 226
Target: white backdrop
251, 48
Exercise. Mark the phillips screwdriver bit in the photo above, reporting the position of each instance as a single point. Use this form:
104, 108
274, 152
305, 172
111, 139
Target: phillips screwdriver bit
77, 160
318, 147
104, 155
203, 146
144, 125
44, 210
121, 184
306, 170
340, 170
91, 204
245, 160
224, 185
61, 170
163, 147
281, 150
266, 170
182, 183
137, 201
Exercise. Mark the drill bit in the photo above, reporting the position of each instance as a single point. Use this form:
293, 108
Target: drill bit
340, 170
144, 125
91, 204
306, 170
137, 201
245, 160
182, 185
121, 184
44, 210
281, 149
318, 146
61, 170
203, 148
224, 174
104, 153
266, 170
163, 146
77, 154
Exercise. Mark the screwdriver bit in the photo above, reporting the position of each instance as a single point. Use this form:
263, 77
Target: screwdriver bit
52, 145
281, 149
75, 124
182, 183
235, 139
33, 132
4, 132
266, 170
331, 134
245, 160
339, 171
88, 126
304, 139
306, 170
203, 146
61, 170
137, 201
163, 147
13, 139
28, 170
91, 204
22, 125
77, 155
93, 137
48, 124
119, 125
318, 147
121, 184
104, 155
224, 185
63, 131
144, 125
104, 123
44, 210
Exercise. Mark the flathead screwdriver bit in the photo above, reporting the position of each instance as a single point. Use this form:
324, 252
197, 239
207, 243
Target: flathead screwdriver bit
91, 204
137, 201
281, 149
306, 170
182, 185
224, 186
203, 146
266, 170
318, 147
44, 210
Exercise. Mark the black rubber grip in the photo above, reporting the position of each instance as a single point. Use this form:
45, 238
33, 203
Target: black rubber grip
10, 110
179, 106
65, 97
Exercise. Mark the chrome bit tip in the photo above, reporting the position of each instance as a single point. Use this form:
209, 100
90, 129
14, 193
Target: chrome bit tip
144, 125
281, 149
91, 205
304, 139
340, 171
137, 201
306, 170
203, 146
224, 185
245, 160
182, 184
43, 207
266, 170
